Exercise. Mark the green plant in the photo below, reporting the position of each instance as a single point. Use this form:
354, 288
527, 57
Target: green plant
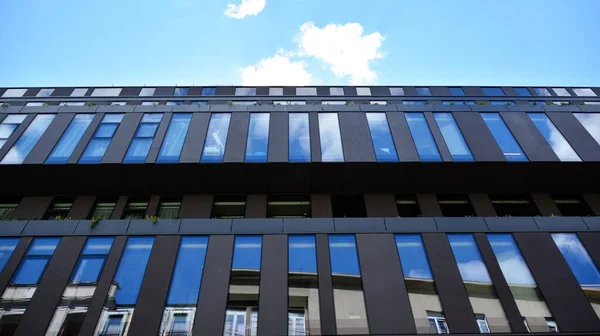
255, 104
4, 105
154, 219
229, 103
550, 103
45, 104
452, 103
62, 218
349, 103
155, 103
582, 103
482, 103
95, 221
89, 104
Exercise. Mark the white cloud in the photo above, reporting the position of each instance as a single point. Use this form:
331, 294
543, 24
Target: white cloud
344, 48
276, 70
247, 7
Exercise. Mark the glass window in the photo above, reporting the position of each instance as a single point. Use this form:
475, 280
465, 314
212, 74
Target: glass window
414, 102
173, 142
288, 206
363, 91
456, 205
7, 212
275, 91
501, 102
541, 92
174, 103
492, 91
208, 91
92, 260
407, 205
513, 205
456, 91
257, 145
378, 102
306, 91
59, 209
458, 102
69, 140
252, 102
229, 207
94, 152
555, 139
561, 92
423, 91
7, 246
303, 294
35, 261
71, 103
35, 104
9, 125
385, 150
216, 138
299, 138
44, 93
537, 102
584, 92
117, 103
169, 209
348, 205
14, 93
453, 137
302, 254
397, 91
331, 139
132, 267
106, 92
522, 92
413, 257
590, 121
28, 139
103, 210
504, 138
144, 136
144, 92
78, 92
135, 210
572, 205
289, 102
421, 134
199, 102
245, 91
336, 91
333, 102
437, 323
181, 91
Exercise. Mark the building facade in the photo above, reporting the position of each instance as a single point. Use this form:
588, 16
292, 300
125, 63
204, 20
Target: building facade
239, 211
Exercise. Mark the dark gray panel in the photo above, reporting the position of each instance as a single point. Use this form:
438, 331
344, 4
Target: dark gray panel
315, 140
584, 144
451, 290
212, 302
196, 206
103, 227
82, 207
308, 225
417, 224
13, 262
407, 152
511, 224
569, 306
104, 284
273, 303
561, 224
356, 138
380, 205
16, 134
352, 225
130, 91
205, 226
50, 227
87, 136
321, 206
545, 204
478, 137
194, 140
437, 136
235, 149
262, 91
143, 226
32, 207
326, 305
195, 91
461, 224
11, 228
120, 142
119, 207
257, 226
278, 137
439, 91
590, 242
41, 308
472, 91
62, 92
153, 204
158, 138
388, 308
410, 91
31, 92
225, 91
593, 201
380, 91
482, 205
154, 289
164, 91
47, 141
527, 135
430, 207
592, 222
256, 206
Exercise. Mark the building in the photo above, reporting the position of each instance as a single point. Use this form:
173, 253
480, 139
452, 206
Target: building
299, 210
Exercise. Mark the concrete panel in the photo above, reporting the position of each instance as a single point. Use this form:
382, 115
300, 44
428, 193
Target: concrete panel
478, 137
152, 209
593, 223
49, 139
40, 109
437, 136
256, 206
308, 225
545, 204
120, 142
321, 206
407, 152
103, 227
16, 134
326, 305
278, 137
527, 135
561, 224
194, 140
430, 207
590, 242
461, 224
352, 225
404, 225
315, 140
205, 226
87, 136
50, 227
143, 226
119, 207
380, 205
582, 142
257, 226
482, 205
196, 206
153, 108
32, 207
273, 303
158, 138
82, 207
235, 149
511, 224
116, 108
11, 228
13, 262
488, 108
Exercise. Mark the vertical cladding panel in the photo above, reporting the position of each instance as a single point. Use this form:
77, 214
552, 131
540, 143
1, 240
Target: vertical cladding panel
235, 148
410, 91
31, 92
262, 91
225, 91
386, 298
273, 303
159, 137
278, 137
87, 136
62, 92
567, 302
40, 310
321, 206
545, 204
212, 303
256, 206
407, 152
315, 140
322, 91
153, 293
326, 305
32, 207
82, 207
194, 140
120, 142
130, 91
478, 137
13, 262
437, 136
453, 296
500, 285
482, 205
104, 283
196, 206
119, 207
440, 91
430, 207
528, 136
584, 144
153, 204
380, 205
590, 242
356, 137
50, 137
472, 91
593, 201
16, 134
351, 91
164, 91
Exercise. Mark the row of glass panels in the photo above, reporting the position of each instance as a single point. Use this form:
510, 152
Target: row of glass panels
303, 298
299, 149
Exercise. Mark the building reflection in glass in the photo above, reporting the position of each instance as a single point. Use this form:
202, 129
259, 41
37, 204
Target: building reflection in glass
303, 295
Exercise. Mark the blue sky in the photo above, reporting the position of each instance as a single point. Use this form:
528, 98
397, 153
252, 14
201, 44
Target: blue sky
299, 42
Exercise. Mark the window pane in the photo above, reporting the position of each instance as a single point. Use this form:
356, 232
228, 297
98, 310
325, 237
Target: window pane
584, 92
6, 130
43, 246
541, 92
336, 91
245, 91
106, 130
426, 146
98, 246
88, 269
147, 92
14, 93
30, 271
561, 92
216, 138
492, 91
131, 269
113, 118
187, 276
412, 256
106, 92
468, 258
35, 104
258, 137
555, 139
344, 257
138, 150
28, 139
501, 102
523, 92
507, 143
7, 246
302, 254
452, 136
331, 141
104, 210
174, 103
70, 139
579, 260
423, 91
95, 151
78, 92
275, 91
363, 91
591, 122
14, 119
44, 92
306, 91
173, 142
247, 252
456, 91
299, 141
208, 91
181, 91
385, 150
397, 91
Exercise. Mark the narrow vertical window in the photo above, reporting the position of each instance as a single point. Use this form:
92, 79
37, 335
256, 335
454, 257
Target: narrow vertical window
69, 140
7, 210
489, 312
173, 142
453, 137
104, 209
524, 289
140, 145
385, 150
7, 246
421, 134
288, 206
228, 207
169, 208
59, 209
581, 265
257, 145
331, 139
504, 138
180, 308
94, 152
591, 122
349, 301
241, 317
299, 141
136, 209
303, 294
555, 139
28, 139
9, 125
216, 138
122, 296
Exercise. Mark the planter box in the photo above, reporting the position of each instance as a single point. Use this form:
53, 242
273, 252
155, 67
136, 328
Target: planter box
146, 226
103, 227
206, 226
50, 227
257, 226
461, 224
11, 109
489, 108
511, 224
228, 108
266, 108
450, 108
589, 108
82, 109
378, 108
340, 108
12, 228
303, 108
350, 225
525, 108
191, 108
561, 108
415, 108
413, 224
561, 224
40, 109
308, 225
592, 222
153, 108
115, 108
